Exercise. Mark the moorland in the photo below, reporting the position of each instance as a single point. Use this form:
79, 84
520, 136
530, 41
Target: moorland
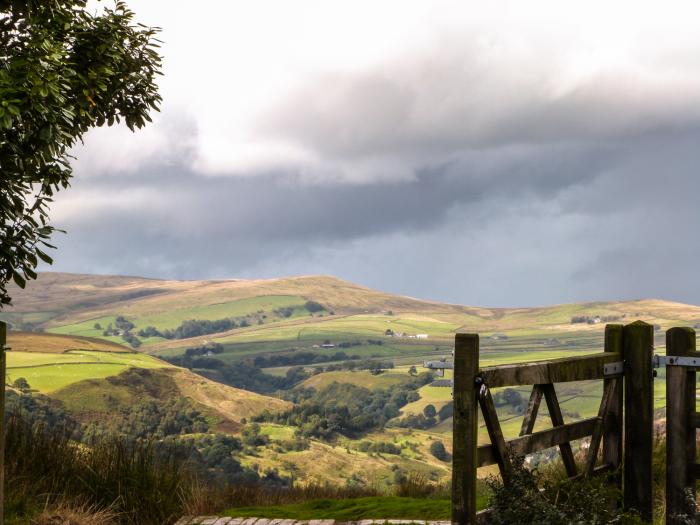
293, 380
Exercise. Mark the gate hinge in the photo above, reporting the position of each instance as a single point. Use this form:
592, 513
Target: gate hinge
675, 360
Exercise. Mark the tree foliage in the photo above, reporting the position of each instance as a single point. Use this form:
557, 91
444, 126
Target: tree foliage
63, 70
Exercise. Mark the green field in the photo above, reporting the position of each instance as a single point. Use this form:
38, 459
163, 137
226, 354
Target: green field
47, 372
361, 378
172, 318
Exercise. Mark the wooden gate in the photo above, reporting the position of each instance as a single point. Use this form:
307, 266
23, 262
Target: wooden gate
628, 348
682, 420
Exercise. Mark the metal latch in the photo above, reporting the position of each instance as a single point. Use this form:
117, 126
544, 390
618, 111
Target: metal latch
675, 360
613, 369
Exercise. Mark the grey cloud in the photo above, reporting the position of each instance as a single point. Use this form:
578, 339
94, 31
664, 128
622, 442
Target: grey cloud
466, 180
509, 226
452, 100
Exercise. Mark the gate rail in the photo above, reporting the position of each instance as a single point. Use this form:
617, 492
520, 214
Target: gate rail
626, 365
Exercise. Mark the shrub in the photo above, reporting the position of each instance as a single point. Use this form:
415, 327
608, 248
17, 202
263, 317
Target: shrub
446, 411
530, 498
313, 306
437, 449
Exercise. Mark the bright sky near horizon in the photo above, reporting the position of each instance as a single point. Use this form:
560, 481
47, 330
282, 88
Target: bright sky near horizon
498, 153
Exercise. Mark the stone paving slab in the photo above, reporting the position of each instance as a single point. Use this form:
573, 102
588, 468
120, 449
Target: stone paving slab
224, 520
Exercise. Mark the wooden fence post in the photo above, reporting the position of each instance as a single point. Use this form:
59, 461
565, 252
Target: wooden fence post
612, 426
680, 428
638, 347
3, 368
464, 429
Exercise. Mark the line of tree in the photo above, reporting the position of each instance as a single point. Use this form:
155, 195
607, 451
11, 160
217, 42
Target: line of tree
345, 409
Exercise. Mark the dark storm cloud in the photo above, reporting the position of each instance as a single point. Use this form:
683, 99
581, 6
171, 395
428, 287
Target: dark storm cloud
509, 225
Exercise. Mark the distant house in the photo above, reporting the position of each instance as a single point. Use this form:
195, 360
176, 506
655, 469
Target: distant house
421, 336
327, 345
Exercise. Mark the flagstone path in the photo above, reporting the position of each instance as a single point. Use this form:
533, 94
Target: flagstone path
216, 520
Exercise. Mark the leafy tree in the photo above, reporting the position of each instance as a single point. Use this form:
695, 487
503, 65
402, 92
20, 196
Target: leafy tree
412, 371
429, 411
63, 70
21, 384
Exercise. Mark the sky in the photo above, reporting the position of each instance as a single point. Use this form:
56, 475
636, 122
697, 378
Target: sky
485, 153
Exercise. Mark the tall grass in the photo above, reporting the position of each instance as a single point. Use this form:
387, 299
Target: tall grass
206, 499
138, 483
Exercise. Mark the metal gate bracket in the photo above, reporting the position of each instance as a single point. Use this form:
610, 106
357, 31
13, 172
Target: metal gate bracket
613, 369
675, 360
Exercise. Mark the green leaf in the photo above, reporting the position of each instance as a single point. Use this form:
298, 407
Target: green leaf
19, 280
43, 256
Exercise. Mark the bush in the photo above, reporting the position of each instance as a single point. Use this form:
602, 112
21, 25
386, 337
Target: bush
530, 498
446, 411
313, 306
437, 449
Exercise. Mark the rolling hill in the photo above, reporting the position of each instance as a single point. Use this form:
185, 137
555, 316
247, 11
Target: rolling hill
94, 378
76, 349
276, 315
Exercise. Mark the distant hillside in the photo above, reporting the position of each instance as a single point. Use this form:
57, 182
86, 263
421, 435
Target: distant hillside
224, 405
260, 316
96, 378
104, 345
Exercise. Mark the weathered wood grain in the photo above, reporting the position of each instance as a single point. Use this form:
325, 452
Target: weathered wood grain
681, 422
493, 427
541, 440
533, 407
562, 370
638, 347
596, 437
464, 429
567, 455
612, 424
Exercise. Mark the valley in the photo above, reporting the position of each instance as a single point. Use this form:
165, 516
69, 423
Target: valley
232, 351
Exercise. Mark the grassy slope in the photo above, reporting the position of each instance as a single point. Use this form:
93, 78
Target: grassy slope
71, 304
37, 342
357, 377
51, 362
75, 370
225, 405
389, 507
